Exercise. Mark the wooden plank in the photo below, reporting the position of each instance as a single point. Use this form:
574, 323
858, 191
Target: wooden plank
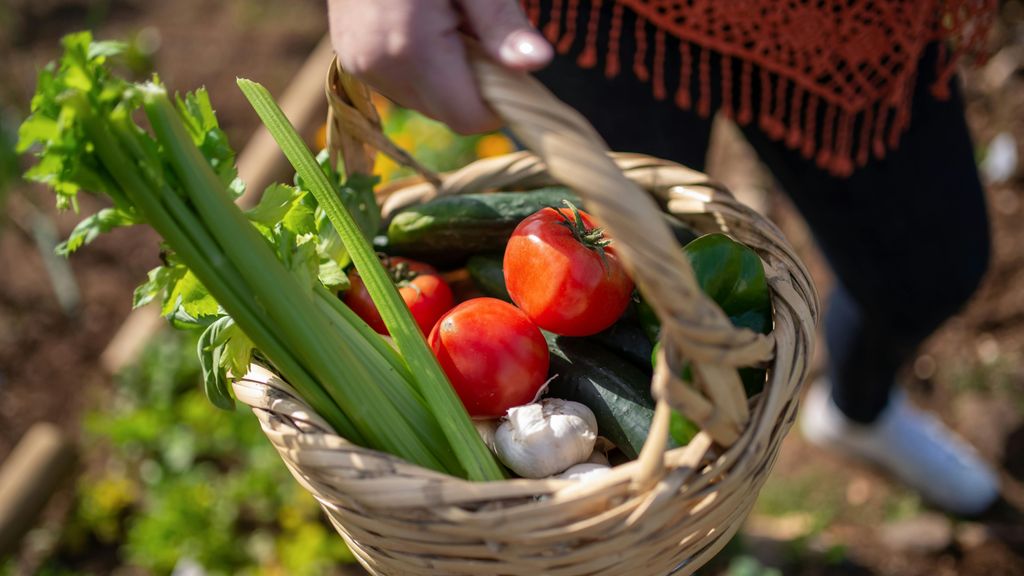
37, 467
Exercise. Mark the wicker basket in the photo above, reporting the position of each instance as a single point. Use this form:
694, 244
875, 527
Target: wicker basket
666, 512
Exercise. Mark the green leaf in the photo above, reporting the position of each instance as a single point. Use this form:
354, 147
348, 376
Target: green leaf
301, 218
289, 218
330, 246
182, 320
201, 122
286, 206
192, 296
97, 50
89, 229
300, 259
357, 195
160, 173
168, 283
160, 283
68, 96
333, 276
238, 350
213, 359
36, 129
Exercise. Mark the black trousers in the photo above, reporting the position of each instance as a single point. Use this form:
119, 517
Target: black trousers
907, 236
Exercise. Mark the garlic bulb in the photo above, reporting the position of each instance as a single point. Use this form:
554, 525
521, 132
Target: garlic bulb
598, 457
546, 437
584, 472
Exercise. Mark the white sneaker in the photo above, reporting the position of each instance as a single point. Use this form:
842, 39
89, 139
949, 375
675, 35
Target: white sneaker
909, 443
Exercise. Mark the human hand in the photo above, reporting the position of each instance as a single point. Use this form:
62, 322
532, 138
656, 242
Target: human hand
412, 51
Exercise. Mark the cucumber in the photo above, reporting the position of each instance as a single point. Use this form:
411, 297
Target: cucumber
627, 339
448, 230
489, 276
618, 393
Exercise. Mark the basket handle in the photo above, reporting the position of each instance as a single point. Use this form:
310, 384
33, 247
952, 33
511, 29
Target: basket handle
693, 327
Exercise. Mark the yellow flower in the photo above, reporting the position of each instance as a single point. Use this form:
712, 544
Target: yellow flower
493, 145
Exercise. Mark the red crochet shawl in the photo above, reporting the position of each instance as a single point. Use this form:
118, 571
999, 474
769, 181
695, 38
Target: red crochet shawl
856, 60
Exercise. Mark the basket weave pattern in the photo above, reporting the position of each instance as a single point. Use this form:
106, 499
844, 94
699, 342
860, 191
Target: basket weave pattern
666, 512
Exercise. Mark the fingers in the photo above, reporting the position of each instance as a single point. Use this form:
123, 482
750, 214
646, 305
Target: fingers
447, 88
506, 34
411, 51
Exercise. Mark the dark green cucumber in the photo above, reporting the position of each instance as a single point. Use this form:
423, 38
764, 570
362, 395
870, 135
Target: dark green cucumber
449, 229
618, 393
627, 339
488, 275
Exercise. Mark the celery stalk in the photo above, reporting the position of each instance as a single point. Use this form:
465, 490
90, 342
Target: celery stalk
331, 360
438, 392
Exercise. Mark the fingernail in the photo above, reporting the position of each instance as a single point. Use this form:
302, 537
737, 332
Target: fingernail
526, 49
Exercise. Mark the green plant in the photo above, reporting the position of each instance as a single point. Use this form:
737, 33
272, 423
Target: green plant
750, 566
174, 478
811, 493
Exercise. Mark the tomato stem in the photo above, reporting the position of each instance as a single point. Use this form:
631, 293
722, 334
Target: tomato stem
590, 238
401, 273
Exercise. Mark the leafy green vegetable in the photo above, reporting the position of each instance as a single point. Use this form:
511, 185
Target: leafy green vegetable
429, 380
178, 177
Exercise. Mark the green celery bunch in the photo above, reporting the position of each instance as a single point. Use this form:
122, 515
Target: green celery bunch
263, 282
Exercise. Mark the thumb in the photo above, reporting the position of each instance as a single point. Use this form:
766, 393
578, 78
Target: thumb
506, 34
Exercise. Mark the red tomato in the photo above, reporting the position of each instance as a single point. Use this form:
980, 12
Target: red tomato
422, 289
554, 271
493, 355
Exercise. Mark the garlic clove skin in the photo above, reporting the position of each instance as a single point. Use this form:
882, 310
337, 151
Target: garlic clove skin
486, 429
598, 457
544, 438
585, 471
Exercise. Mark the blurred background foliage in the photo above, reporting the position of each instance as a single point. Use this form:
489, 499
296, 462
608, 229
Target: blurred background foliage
173, 481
